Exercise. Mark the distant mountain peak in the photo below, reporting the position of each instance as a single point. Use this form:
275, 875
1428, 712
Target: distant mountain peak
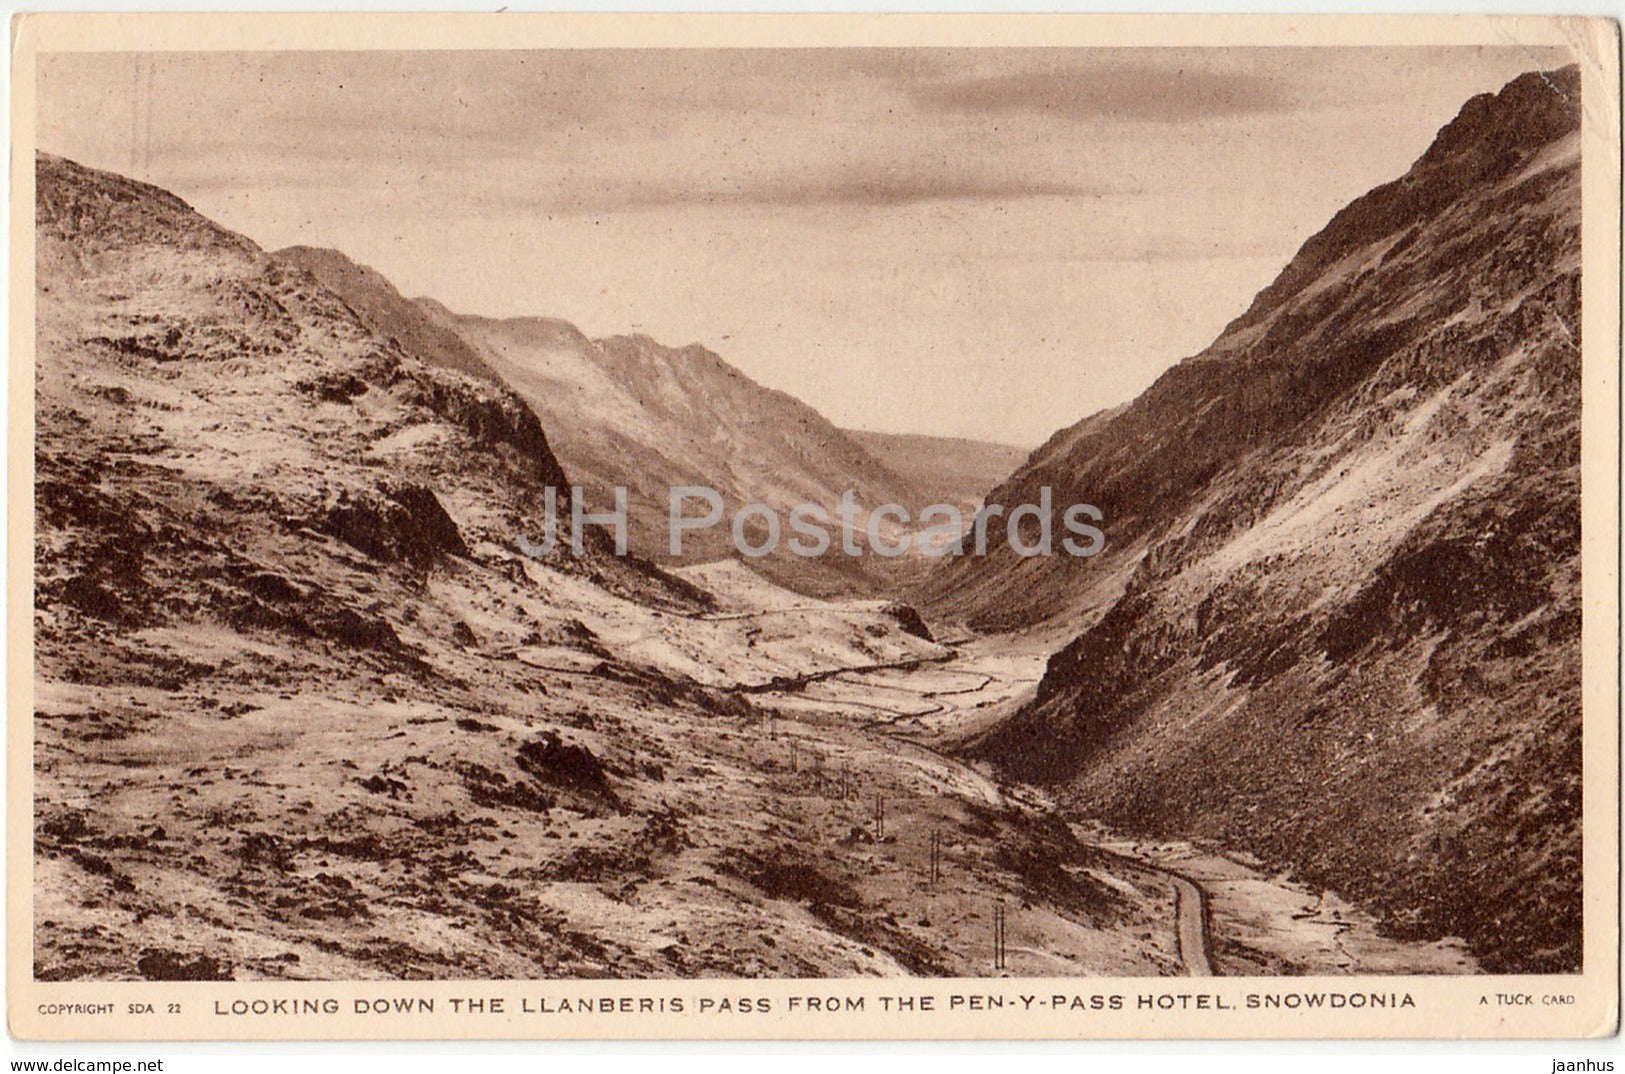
1488, 138
627, 411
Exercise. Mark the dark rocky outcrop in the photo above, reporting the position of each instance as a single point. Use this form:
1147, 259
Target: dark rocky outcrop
157, 964
908, 619
567, 766
398, 524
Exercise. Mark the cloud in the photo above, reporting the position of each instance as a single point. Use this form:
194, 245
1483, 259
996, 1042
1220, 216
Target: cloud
878, 190
1146, 92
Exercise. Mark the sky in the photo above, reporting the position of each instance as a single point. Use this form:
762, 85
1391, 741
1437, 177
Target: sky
987, 243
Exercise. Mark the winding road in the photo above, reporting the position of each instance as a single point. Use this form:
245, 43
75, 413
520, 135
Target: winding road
1193, 926
1191, 923
913, 711
1192, 918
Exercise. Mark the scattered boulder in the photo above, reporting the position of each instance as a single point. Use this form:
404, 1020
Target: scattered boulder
62, 828
336, 386
93, 598
786, 873
403, 524
907, 619
263, 848
553, 761
434, 528
381, 784
269, 585
157, 964
349, 627
490, 789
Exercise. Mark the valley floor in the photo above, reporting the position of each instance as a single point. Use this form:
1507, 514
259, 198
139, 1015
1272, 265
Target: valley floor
1224, 912
754, 791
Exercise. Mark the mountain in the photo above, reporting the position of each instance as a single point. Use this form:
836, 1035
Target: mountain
157, 327
376, 303
626, 411
274, 565
303, 710
1052, 589
1337, 623
943, 469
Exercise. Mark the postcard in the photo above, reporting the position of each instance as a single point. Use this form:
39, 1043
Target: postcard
813, 526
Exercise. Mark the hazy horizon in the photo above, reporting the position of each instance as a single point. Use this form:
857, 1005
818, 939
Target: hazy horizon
985, 243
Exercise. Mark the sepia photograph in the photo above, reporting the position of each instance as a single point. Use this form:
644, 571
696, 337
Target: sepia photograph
996, 508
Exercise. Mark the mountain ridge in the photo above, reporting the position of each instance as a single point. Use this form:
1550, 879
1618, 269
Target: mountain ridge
627, 411
376, 303
1145, 461
302, 710
1345, 581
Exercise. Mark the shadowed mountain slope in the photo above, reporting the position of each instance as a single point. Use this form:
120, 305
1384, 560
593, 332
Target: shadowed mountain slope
1341, 613
626, 411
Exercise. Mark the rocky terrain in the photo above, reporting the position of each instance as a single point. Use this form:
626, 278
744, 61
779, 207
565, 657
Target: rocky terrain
1338, 622
385, 311
303, 710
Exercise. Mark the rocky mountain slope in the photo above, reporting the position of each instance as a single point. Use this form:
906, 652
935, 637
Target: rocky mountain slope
1338, 622
627, 411
302, 710
384, 310
943, 469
